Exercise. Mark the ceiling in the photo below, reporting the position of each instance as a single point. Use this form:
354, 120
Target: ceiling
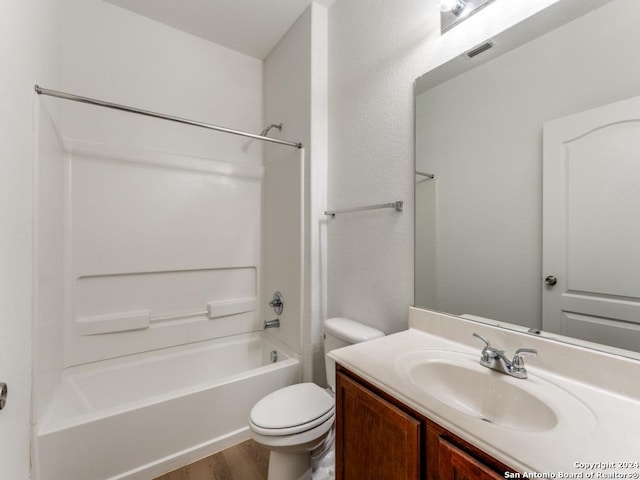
252, 27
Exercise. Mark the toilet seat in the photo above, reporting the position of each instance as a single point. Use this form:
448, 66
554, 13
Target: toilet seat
291, 410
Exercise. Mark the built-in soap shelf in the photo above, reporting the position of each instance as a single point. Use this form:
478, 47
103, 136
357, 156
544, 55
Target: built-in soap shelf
134, 301
115, 322
141, 319
230, 307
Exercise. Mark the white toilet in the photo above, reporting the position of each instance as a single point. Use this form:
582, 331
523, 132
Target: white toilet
295, 421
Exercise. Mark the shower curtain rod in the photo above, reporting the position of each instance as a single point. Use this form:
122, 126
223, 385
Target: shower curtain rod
92, 101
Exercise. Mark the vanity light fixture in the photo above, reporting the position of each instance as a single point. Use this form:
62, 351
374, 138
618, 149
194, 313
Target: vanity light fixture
454, 6
452, 12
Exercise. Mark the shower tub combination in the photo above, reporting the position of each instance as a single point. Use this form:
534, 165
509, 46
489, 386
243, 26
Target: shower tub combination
147, 325
140, 416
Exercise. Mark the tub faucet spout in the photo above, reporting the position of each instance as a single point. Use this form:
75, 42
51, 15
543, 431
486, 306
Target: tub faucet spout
271, 324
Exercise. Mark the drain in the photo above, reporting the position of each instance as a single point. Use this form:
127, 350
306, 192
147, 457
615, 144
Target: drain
486, 420
273, 356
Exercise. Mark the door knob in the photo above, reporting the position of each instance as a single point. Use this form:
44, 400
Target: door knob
551, 280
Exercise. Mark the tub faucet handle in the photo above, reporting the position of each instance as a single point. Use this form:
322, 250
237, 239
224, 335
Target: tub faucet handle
277, 303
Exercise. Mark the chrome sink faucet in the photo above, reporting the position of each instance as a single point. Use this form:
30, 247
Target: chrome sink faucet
496, 359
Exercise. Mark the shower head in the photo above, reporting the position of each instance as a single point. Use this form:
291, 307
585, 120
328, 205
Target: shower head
266, 130
263, 133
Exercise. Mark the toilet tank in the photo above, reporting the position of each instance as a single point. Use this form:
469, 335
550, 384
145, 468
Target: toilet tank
341, 332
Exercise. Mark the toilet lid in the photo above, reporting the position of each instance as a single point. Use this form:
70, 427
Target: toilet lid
291, 410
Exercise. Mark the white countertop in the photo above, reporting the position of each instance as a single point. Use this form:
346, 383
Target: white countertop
598, 407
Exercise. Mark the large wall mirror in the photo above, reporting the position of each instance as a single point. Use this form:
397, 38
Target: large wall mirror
528, 177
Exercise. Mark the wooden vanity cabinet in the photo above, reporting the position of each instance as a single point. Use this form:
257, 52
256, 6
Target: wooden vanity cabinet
450, 458
378, 437
374, 439
456, 464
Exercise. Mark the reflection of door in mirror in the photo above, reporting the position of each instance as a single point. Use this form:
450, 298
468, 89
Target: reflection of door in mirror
591, 229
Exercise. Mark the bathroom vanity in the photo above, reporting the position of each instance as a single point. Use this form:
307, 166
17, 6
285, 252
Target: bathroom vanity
419, 404
378, 436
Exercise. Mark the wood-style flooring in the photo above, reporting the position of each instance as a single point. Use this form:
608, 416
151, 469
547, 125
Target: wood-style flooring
245, 461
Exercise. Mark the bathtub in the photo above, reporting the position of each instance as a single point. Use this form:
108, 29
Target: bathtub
144, 415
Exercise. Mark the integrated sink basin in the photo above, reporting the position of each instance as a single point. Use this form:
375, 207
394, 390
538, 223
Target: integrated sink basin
481, 393
458, 382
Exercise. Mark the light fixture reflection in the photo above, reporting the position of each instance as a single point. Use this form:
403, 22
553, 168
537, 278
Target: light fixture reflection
454, 6
453, 12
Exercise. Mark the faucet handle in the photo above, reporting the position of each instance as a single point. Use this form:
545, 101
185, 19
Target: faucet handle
518, 362
486, 342
485, 358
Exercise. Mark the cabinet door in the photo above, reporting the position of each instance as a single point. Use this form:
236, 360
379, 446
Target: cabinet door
374, 439
454, 464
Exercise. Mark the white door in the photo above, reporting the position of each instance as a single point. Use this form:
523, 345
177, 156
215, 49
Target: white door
591, 225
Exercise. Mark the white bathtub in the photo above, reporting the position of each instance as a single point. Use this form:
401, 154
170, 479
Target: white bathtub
141, 416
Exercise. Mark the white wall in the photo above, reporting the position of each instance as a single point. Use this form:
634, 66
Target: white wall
28, 54
295, 94
287, 101
112, 54
282, 244
376, 50
316, 184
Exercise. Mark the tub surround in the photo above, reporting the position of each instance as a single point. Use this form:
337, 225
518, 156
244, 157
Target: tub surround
152, 290
140, 416
594, 409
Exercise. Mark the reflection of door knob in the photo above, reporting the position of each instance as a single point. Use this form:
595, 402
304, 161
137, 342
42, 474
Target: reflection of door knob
551, 280
3, 395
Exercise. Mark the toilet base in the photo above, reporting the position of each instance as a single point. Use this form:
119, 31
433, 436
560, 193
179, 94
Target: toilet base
290, 455
289, 466
324, 468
